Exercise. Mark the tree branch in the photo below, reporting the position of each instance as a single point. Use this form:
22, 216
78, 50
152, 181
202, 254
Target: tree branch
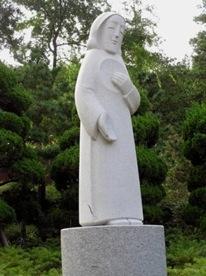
8, 181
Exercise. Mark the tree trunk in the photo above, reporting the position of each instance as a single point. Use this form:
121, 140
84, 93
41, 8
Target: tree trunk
42, 195
23, 231
3, 238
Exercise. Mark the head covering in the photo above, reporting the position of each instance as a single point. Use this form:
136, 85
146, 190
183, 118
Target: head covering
93, 42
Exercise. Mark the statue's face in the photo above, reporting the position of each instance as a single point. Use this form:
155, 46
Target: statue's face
112, 34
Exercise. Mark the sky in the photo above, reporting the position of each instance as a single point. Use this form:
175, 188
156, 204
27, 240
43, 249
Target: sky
175, 25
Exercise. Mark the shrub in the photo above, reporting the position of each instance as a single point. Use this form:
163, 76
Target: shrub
152, 194
7, 213
195, 149
151, 167
194, 134
29, 170
195, 121
65, 167
11, 147
146, 129
152, 213
69, 138
197, 178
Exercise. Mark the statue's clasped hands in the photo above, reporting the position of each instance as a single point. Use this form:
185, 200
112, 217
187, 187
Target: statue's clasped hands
122, 82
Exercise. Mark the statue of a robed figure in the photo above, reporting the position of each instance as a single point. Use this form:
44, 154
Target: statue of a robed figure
113, 241
109, 188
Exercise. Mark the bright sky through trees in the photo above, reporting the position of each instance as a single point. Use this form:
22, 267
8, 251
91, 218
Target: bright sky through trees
175, 24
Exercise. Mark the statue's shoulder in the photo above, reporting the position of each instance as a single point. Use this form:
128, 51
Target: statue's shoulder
91, 61
93, 56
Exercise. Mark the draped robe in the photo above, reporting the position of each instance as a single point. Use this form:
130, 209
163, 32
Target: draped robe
109, 185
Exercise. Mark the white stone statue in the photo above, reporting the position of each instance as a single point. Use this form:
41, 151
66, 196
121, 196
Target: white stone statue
109, 188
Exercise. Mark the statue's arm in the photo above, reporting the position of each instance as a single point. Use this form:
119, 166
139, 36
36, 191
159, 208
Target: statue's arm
128, 90
92, 115
132, 99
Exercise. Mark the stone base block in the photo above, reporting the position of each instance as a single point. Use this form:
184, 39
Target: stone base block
114, 251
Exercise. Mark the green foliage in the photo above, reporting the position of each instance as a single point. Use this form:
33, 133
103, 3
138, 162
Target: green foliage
186, 255
195, 121
146, 129
35, 261
195, 149
49, 151
196, 269
194, 133
197, 178
18, 100
152, 194
192, 215
198, 198
29, 170
13, 97
151, 168
9, 19
55, 24
11, 121
145, 104
7, 213
64, 169
7, 79
152, 214
69, 137
11, 147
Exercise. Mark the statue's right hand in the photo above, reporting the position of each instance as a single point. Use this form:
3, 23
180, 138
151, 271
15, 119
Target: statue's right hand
106, 128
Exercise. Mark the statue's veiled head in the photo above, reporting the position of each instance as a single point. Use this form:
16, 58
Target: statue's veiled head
106, 33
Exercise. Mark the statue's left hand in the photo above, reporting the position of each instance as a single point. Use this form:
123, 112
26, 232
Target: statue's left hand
122, 81
106, 128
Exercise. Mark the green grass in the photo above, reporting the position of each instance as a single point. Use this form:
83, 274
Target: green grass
186, 256
40, 261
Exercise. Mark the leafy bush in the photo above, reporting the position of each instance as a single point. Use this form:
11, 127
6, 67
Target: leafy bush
198, 198
152, 194
7, 80
151, 167
186, 255
195, 121
35, 261
152, 214
194, 134
69, 138
11, 147
65, 167
49, 151
197, 178
192, 214
7, 213
146, 129
11, 121
29, 170
195, 149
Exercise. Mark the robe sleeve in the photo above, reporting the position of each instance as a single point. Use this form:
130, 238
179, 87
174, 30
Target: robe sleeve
88, 107
132, 99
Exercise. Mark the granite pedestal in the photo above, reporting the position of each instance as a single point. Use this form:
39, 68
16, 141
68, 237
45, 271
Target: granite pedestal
114, 251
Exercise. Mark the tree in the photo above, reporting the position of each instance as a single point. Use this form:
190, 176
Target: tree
9, 18
199, 58
194, 134
57, 24
18, 160
7, 215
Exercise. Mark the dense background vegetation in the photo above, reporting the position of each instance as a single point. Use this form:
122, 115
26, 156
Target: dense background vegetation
39, 134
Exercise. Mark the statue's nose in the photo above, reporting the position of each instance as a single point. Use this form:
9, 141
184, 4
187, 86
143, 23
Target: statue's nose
117, 32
